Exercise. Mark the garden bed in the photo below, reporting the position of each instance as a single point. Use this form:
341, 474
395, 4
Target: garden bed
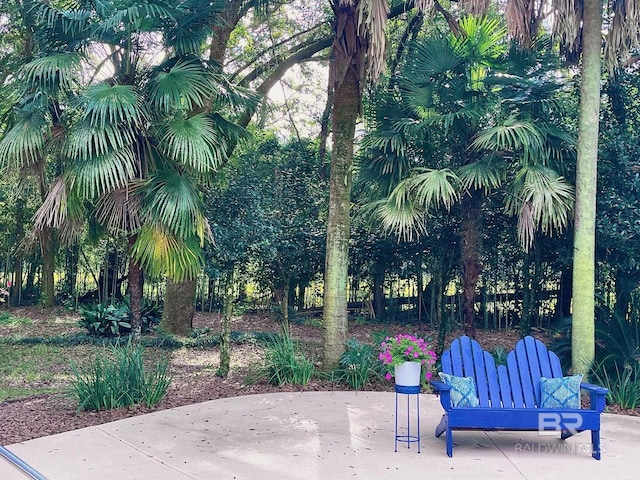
35, 373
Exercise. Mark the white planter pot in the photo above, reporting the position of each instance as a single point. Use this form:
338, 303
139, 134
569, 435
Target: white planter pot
408, 374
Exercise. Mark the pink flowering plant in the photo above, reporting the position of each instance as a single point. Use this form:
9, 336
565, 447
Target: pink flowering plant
407, 348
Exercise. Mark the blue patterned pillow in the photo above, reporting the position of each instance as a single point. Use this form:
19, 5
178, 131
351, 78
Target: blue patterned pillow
463, 390
561, 392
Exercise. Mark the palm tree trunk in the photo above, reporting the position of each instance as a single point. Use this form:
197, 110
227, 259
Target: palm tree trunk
136, 283
583, 329
225, 326
470, 233
346, 104
178, 311
47, 291
16, 290
378, 293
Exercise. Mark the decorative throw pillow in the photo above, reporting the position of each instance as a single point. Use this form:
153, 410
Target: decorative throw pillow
463, 390
561, 392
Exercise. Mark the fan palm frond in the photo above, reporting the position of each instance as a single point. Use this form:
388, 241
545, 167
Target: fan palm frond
186, 85
483, 39
101, 173
398, 214
144, 15
541, 199
233, 97
389, 141
432, 56
71, 21
193, 142
24, 143
231, 131
485, 174
512, 136
85, 141
119, 209
435, 187
114, 104
161, 253
51, 73
173, 200
62, 210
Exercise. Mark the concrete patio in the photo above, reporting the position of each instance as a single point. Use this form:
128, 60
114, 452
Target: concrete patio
316, 435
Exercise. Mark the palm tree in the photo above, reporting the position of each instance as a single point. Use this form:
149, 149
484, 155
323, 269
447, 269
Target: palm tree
357, 52
136, 144
31, 141
578, 25
584, 237
459, 122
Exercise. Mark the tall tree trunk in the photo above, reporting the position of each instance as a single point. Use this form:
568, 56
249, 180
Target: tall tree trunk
378, 294
136, 283
16, 289
348, 60
72, 256
441, 319
284, 305
583, 329
470, 251
178, 310
626, 282
527, 298
302, 288
225, 326
47, 286
563, 310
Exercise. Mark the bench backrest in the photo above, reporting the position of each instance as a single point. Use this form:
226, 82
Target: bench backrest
516, 385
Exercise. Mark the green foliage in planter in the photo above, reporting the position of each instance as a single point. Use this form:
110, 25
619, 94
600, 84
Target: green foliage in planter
286, 364
117, 378
358, 364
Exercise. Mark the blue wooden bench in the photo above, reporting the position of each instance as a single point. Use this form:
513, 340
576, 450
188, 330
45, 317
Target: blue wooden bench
509, 396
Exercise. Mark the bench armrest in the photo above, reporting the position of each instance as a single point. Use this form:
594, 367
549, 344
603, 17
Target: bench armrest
440, 386
591, 388
597, 396
444, 392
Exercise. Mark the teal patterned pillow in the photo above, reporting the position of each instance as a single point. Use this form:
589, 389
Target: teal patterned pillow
463, 390
560, 392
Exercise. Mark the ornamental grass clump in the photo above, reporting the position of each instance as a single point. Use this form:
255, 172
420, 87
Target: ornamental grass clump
407, 348
117, 378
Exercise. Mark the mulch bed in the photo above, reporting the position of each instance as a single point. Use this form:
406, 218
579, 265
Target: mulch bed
193, 370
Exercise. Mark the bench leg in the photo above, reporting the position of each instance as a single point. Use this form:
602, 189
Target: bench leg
564, 434
442, 426
449, 442
595, 444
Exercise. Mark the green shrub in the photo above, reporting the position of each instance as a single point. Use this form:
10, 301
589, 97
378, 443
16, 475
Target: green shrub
114, 320
623, 383
7, 319
499, 355
106, 320
358, 364
117, 378
285, 363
